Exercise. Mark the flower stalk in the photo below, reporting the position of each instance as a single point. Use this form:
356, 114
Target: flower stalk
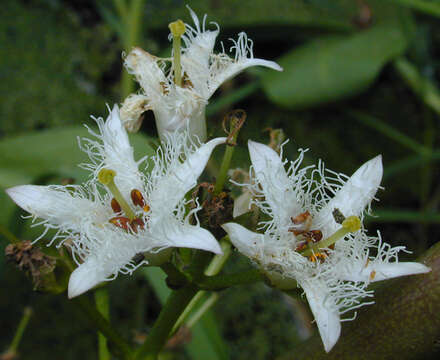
119, 346
175, 305
20, 331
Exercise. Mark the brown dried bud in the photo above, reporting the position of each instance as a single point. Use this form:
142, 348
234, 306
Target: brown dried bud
37, 265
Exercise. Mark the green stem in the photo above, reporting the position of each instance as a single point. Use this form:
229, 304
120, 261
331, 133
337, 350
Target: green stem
196, 316
226, 163
219, 261
213, 268
132, 23
20, 330
389, 131
10, 237
171, 311
120, 346
102, 305
428, 7
121, 7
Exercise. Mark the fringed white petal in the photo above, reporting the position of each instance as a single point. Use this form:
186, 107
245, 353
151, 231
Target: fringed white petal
57, 205
199, 46
148, 74
181, 179
246, 241
271, 174
381, 270
356, 194
228, 69
326, 316
118, 154
188, 236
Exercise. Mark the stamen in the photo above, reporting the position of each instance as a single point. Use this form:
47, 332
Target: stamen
350, 224
138, 200
126, 224
177, 29
106, 177
115, 206
301, 218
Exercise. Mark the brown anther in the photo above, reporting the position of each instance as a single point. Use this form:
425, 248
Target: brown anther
137, 198
301, 246
313, 235
297, 232
121, 222
146, 208
125, 223
137, 224
372, 275
115, 206
301, 218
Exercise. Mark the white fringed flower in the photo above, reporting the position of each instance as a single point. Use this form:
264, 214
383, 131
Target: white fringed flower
176, 107
107, 233
307, 207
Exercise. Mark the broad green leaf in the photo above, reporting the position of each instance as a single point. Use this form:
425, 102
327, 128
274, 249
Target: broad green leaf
206, 341
334, 67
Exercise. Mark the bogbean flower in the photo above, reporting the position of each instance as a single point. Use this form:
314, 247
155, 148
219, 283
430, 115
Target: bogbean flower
178, 94
315, 238
122, 215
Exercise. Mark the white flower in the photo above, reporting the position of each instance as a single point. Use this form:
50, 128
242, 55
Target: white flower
305, 208
176, 107
107, 232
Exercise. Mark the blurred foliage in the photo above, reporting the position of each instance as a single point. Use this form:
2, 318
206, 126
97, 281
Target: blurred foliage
361, 78
51, 66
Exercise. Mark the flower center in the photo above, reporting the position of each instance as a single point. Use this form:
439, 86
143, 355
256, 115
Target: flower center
311, 243
118, 203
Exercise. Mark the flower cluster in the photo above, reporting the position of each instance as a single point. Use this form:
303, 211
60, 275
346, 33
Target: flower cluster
120, 215
178, 106
314, 238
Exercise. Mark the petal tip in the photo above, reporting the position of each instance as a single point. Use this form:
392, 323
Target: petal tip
25, 196
82, 279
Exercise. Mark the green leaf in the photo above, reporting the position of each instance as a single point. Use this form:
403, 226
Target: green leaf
334, 67
207, 342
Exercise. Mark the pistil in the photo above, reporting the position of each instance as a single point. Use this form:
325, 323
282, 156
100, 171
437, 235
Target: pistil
177, 30
349, 225
106, 177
